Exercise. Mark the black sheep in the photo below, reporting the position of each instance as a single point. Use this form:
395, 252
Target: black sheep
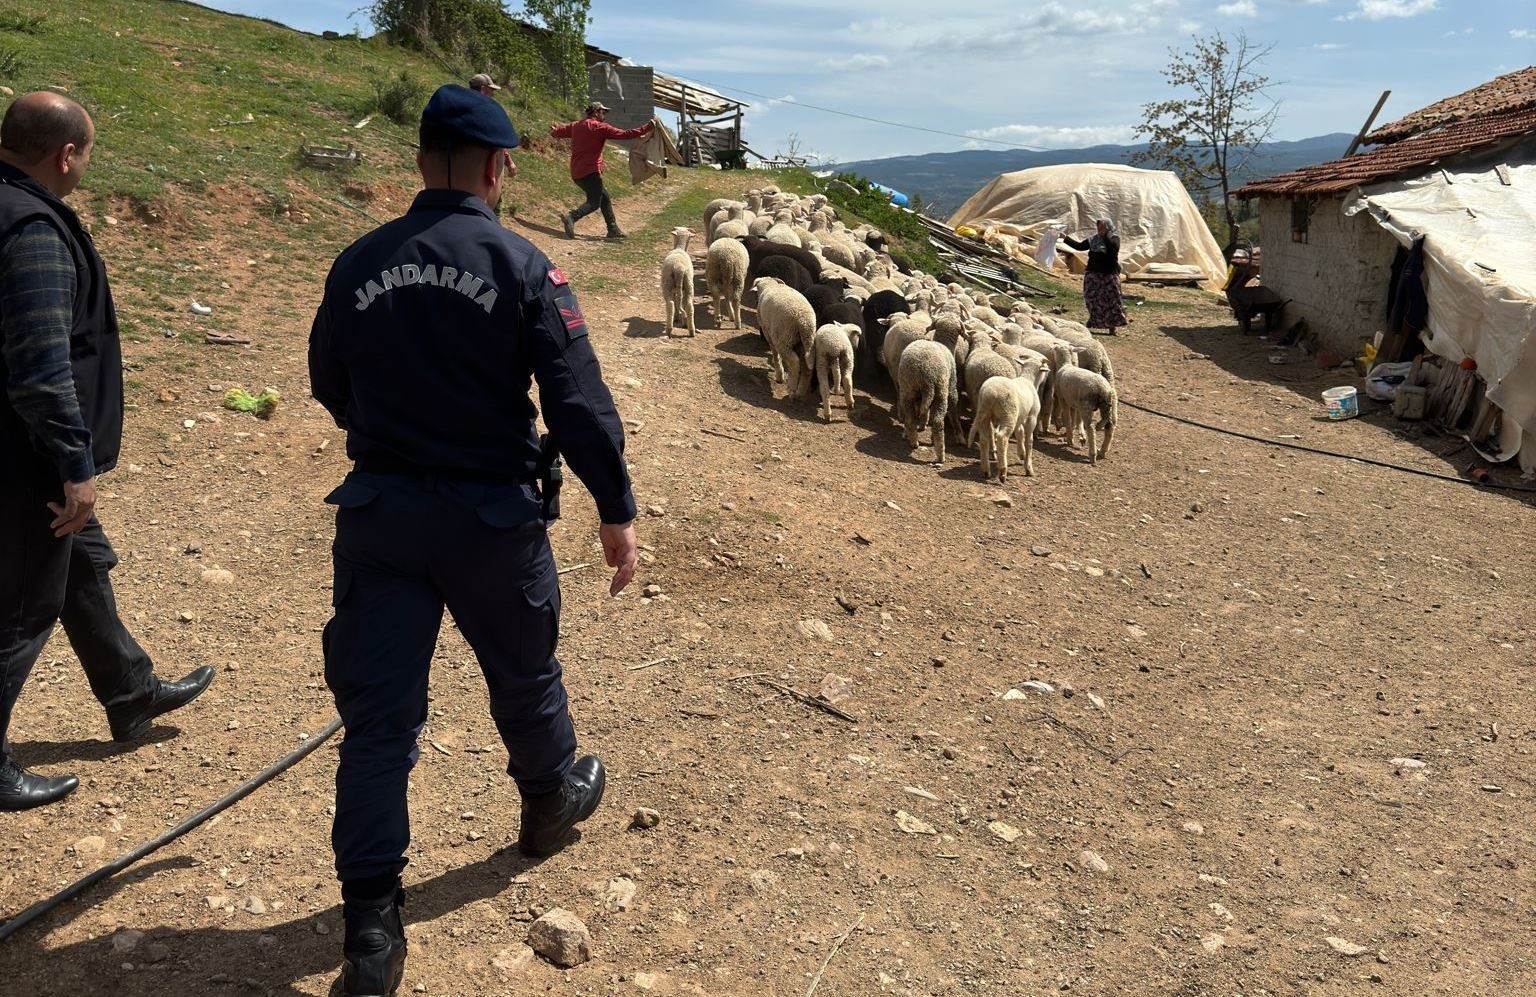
787, 270
880, 305
822, 297
759, 249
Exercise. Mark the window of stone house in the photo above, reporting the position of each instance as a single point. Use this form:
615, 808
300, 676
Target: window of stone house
1301, 216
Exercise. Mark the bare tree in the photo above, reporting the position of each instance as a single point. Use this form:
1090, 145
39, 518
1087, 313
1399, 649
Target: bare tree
1209, 132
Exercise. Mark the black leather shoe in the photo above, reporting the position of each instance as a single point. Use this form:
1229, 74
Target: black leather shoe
128, 722
549, 817
23, 790
373, 949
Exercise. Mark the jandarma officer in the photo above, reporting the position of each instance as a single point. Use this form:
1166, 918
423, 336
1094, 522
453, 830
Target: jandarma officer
423, 349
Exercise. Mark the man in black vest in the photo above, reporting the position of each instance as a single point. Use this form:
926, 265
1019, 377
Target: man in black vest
61, 424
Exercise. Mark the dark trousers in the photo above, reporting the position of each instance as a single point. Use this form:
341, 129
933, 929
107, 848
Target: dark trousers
597, 197
46, 580
406, 547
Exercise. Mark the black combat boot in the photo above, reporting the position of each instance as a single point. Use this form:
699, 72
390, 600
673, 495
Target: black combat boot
373, 950
569, 224
549, 817
615, 234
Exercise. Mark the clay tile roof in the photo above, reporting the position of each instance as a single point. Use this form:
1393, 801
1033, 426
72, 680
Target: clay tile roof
1510, 92
1410, 155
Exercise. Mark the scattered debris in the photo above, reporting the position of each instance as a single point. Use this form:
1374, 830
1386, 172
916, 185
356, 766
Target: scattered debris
922, 793
199, 309
814, 629
1345, 947
816, 982
263, 405
1007, 832
810, 701
835, 688
1092, 861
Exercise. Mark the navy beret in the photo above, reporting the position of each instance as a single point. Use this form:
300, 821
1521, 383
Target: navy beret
472, 117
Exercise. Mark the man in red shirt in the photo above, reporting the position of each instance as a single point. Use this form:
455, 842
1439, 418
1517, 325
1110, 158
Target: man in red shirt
587, 138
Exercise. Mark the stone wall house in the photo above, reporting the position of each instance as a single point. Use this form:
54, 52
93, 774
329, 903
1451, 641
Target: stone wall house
1335, 270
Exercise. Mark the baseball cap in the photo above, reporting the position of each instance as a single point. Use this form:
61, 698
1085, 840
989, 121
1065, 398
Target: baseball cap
482, 80
471, 117
596, 105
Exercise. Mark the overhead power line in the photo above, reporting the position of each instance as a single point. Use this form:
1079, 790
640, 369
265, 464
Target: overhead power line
880, 121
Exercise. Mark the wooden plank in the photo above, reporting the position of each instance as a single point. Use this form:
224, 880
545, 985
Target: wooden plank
1366, 128
1503, 172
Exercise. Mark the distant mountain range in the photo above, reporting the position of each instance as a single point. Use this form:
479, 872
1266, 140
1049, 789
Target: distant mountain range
946, 179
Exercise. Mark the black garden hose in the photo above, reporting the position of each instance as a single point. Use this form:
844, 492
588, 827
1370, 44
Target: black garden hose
127, 859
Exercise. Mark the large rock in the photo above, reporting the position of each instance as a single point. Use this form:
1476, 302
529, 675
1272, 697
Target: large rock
560, 937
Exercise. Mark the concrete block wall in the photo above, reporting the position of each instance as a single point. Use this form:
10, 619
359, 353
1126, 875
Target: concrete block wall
1337, 280
636, 104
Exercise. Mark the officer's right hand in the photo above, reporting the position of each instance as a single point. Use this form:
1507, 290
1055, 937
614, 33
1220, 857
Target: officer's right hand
80, 503
619, 552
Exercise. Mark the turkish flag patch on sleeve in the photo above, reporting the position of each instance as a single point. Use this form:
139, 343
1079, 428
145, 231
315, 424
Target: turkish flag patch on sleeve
557, 277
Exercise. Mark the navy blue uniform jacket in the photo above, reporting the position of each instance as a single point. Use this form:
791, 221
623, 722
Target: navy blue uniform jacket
426, 342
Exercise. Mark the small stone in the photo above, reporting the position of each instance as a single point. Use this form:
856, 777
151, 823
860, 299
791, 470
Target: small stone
633, 382
836, 688
655, 510
321, 928
419, 988
1211, 880
1411, 764
1491, 788
513, 959
218, 576
1007, 832
1002, 500
940, 662
156, 952
126, 940
651, 591
1097, 700
216, 901
645, 818
1135, 632
1093, 571
560, 937
892, 506
950, 754
913, 825
254, 905
93, 844
1345, 947
1213, 942
620, 894
185, 617
1039, 551
814, 629
1194, 827
919, 792
1092, 861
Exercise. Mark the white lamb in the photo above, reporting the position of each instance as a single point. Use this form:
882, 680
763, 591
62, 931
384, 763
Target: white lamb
725, 271
677, 281
1080, 394
925, 391
901, 331
834, 346
1007, 408
788, 323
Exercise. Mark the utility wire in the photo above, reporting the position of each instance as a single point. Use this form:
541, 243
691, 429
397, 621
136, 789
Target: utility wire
879, 121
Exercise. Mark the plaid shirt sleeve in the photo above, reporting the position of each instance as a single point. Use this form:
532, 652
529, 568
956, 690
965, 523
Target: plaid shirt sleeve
37, 293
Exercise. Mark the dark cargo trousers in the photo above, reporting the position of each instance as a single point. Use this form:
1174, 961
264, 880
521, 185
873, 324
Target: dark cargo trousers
406, 546
46, 580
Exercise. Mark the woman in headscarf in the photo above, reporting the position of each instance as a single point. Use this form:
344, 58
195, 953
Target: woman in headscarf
1101, 284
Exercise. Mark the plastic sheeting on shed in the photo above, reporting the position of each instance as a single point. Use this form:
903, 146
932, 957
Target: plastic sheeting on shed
1156, 219
1479, 272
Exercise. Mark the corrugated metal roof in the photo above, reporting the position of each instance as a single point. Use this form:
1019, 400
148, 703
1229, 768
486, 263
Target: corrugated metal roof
1414, 154
1510, 92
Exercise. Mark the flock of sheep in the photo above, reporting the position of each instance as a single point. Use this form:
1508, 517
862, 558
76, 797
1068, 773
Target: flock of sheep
830, 300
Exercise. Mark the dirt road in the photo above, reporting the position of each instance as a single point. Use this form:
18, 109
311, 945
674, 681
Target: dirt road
1286, 747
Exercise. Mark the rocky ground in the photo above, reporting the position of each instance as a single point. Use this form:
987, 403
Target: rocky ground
1209, 717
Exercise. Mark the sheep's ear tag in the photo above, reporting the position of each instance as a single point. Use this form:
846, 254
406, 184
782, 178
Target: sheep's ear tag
557, 277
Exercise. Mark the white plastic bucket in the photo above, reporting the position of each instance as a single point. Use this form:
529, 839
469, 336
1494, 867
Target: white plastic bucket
1342, 403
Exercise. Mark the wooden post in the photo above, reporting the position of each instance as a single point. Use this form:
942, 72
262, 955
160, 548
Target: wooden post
1365, 128
736, 144
682, 126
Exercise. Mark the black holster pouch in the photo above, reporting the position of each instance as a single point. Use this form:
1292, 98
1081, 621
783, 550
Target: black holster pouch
551, 476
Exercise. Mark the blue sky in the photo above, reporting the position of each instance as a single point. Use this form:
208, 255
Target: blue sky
1053, 74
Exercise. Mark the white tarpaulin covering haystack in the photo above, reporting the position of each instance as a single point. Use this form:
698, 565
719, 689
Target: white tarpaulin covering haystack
1479, 271
1157, 221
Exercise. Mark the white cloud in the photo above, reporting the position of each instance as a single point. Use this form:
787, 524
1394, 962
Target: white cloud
1380, 10
1042, 27
1329, 46
1056, 137
856, 63
1241, 8
1453, 33
1190, 27
1521, 33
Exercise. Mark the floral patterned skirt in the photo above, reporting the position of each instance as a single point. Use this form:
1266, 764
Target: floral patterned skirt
1101, 292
